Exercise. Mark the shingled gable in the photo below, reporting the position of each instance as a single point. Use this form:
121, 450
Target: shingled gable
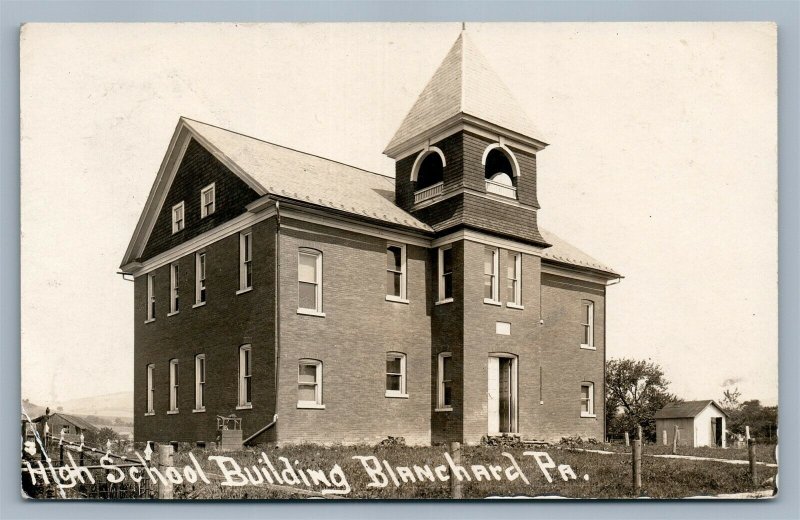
270, 169
464, 88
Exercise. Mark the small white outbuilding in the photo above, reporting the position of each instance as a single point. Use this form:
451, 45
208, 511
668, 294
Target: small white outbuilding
700, 423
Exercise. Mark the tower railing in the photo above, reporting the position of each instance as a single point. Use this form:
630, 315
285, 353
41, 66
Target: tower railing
429, 192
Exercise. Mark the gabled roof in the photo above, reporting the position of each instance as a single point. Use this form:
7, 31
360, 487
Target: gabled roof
272, 169
685, 409
564, 252
276, 170
77, 421
463, 84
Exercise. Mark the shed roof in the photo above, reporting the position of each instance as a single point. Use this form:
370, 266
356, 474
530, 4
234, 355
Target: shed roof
685, 409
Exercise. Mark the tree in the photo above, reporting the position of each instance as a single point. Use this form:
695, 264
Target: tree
635, 391
99, 438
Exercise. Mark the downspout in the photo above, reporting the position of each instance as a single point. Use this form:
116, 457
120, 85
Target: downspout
277, 302
262, 430
277, 322
605, 355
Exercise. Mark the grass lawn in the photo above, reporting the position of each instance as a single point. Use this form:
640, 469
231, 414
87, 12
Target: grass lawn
609, 476
764, 452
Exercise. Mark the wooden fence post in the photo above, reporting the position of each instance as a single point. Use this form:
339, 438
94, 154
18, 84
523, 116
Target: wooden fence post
637, 465
164, 462
675, 436
627, 439
664, 437
747, 433
455, 483
751, 454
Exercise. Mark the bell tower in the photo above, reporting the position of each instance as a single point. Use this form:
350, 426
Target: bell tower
465, 154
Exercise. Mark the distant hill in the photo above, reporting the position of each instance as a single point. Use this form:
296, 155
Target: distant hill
118, 404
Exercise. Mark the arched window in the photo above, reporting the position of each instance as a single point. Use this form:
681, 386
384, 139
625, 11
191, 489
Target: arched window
500, 170
428, 173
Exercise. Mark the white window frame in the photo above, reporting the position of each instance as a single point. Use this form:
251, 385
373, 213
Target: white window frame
589, 400
174, 375
206, 211
178, 224
151, 393
440, 404
200, 383
403, 297
317, 403
441, 276
151, 298
174, 300
245, 261
587, 329
495, 298
200, 274
402, 393
317, 311
245, 373
516, 298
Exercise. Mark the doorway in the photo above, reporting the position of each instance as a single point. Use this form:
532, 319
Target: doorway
502, 394
716, 431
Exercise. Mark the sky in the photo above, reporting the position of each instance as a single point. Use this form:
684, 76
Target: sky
662, 163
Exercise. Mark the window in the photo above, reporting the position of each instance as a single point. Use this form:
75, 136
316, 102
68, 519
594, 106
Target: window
173, 386
174, 302
396, 272
177, 217
200, 279
309, 278
151, 297
245, 387
396, 374
245, 261
309, 384
500, 171
445, 274
587, 324
200, 383
445, 382
587, 400
514, 289
150, 390
490, 269
207, 200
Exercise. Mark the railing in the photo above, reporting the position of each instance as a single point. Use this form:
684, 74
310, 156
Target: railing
501, 189
429, 192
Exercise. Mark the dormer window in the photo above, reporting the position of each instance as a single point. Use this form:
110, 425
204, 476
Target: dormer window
500, 172
427, 174
208, 201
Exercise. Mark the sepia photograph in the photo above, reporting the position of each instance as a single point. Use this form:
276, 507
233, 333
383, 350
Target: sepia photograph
458, 260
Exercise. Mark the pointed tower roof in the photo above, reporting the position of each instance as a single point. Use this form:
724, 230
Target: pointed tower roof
464, 87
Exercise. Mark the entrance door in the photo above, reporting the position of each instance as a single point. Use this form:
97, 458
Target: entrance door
716, 431
501, 397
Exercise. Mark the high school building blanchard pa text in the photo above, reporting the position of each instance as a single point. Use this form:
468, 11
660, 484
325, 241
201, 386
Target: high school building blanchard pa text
323, 303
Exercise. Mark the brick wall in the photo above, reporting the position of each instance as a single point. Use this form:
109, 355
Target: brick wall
352, 340
447, 331
564, 364
481, 339
197, 170
216, 329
